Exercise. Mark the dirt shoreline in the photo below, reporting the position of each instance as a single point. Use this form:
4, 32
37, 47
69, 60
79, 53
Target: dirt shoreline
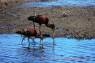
72, 22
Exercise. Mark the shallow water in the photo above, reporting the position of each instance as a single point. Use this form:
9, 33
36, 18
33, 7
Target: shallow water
60, 3
65, 50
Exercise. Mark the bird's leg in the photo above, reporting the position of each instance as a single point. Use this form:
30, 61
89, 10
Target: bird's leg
53, 36
33, 41
22, 40
41, 37
40, 29
34, 25
28, 42
41, 44
40, 34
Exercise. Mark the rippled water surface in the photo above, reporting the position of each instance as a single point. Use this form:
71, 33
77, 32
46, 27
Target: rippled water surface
65, 50
61, 3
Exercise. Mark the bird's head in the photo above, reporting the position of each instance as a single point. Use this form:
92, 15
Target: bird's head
52, 26
20, 31
31, 18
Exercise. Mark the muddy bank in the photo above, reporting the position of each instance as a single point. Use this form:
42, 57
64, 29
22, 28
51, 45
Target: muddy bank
75, 22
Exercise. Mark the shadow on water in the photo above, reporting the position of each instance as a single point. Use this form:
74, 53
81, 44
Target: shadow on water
65, 50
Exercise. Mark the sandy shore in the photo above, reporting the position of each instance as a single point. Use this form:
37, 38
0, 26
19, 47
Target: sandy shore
73, 22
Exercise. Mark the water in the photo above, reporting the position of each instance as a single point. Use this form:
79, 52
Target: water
61, 3
65, 50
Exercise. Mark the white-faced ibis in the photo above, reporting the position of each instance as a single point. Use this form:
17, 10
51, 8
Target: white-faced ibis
40, 19
27, 33
31, 32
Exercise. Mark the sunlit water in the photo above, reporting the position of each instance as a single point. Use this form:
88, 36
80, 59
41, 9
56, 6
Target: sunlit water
61, 3
65, 51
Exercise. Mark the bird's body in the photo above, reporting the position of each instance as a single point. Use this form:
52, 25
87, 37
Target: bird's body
27, 33
40, 19
31, 33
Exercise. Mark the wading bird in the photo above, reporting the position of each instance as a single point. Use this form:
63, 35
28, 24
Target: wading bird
32, 33
27, 33
40, 19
